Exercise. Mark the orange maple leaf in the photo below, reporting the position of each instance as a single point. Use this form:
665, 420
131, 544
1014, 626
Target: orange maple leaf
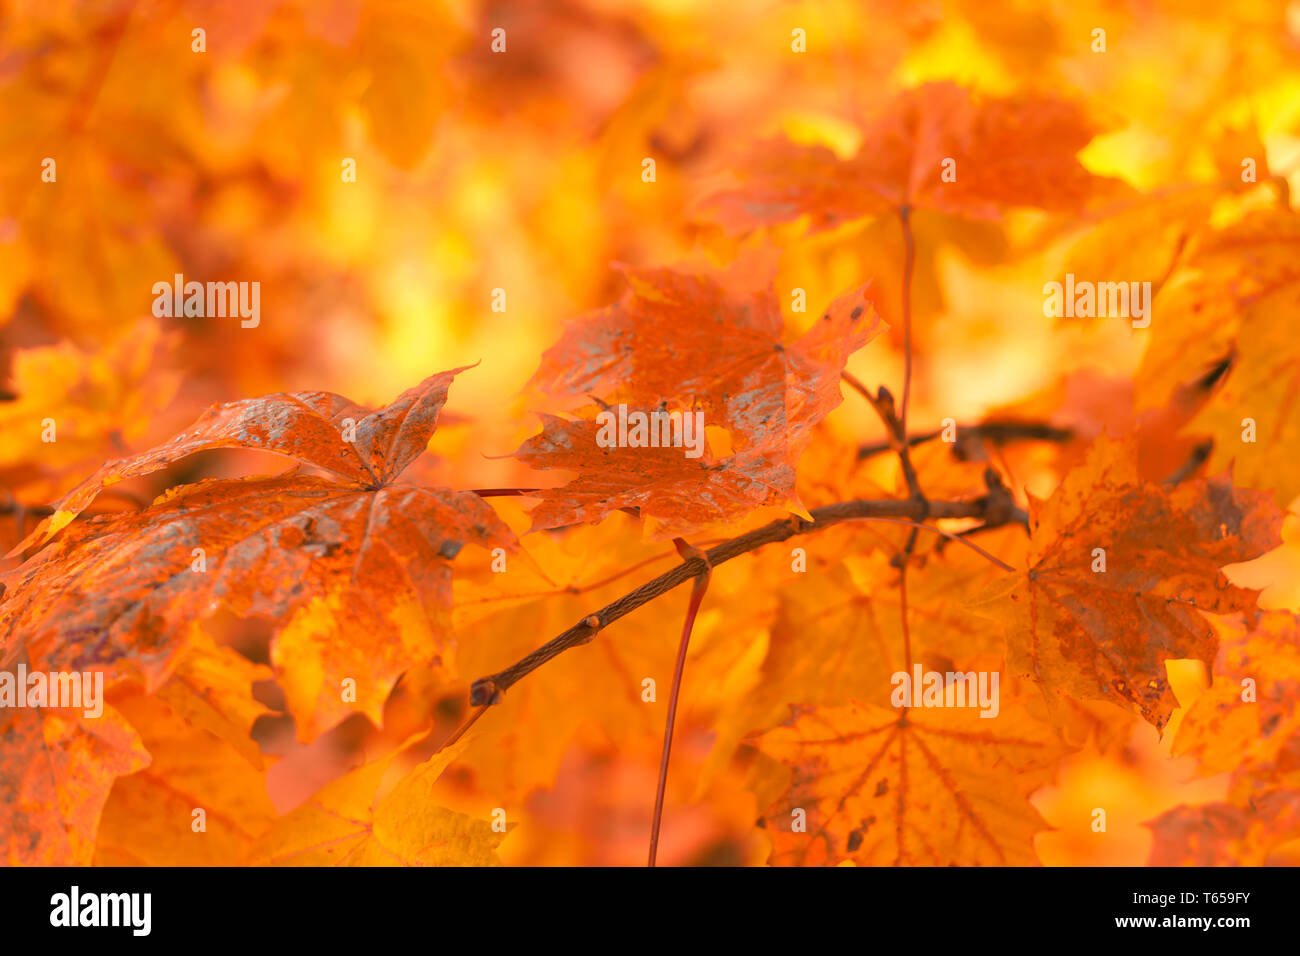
937, 146
56, 770
909, 787
1225, 834
1119, 571
1239, 302
362, 556
1250, 727
308, 426
683, 494
681, 340
1246, 724
352, 822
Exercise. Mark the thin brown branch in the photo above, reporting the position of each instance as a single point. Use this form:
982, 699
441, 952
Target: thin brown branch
871, 449
488, 689
995, 432
883, 404
577, 588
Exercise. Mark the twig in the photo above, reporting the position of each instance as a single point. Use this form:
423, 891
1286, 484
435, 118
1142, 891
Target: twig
488, 690
997, 432
883, 403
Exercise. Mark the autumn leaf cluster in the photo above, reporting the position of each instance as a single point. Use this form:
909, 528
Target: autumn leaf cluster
440, 628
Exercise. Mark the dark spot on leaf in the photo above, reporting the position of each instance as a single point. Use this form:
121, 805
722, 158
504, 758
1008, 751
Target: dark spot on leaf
856, 835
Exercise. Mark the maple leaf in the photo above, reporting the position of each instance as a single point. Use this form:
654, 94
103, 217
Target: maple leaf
1225, 834
96, 400
1239, 301
403, 47
681, 494
85, 232
1250, 728
1085, 403
929, 787
683, 341
149, 818
308, 426
1245, 724
345, 825
837, 637
1139, 238
212, 690
364, 556
1106, 634
1012, 151
56, 770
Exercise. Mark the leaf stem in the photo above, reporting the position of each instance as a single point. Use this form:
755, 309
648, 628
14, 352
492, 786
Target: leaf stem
996, 432
460, 731
958, 537
902, 607
909, 261
697, 598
